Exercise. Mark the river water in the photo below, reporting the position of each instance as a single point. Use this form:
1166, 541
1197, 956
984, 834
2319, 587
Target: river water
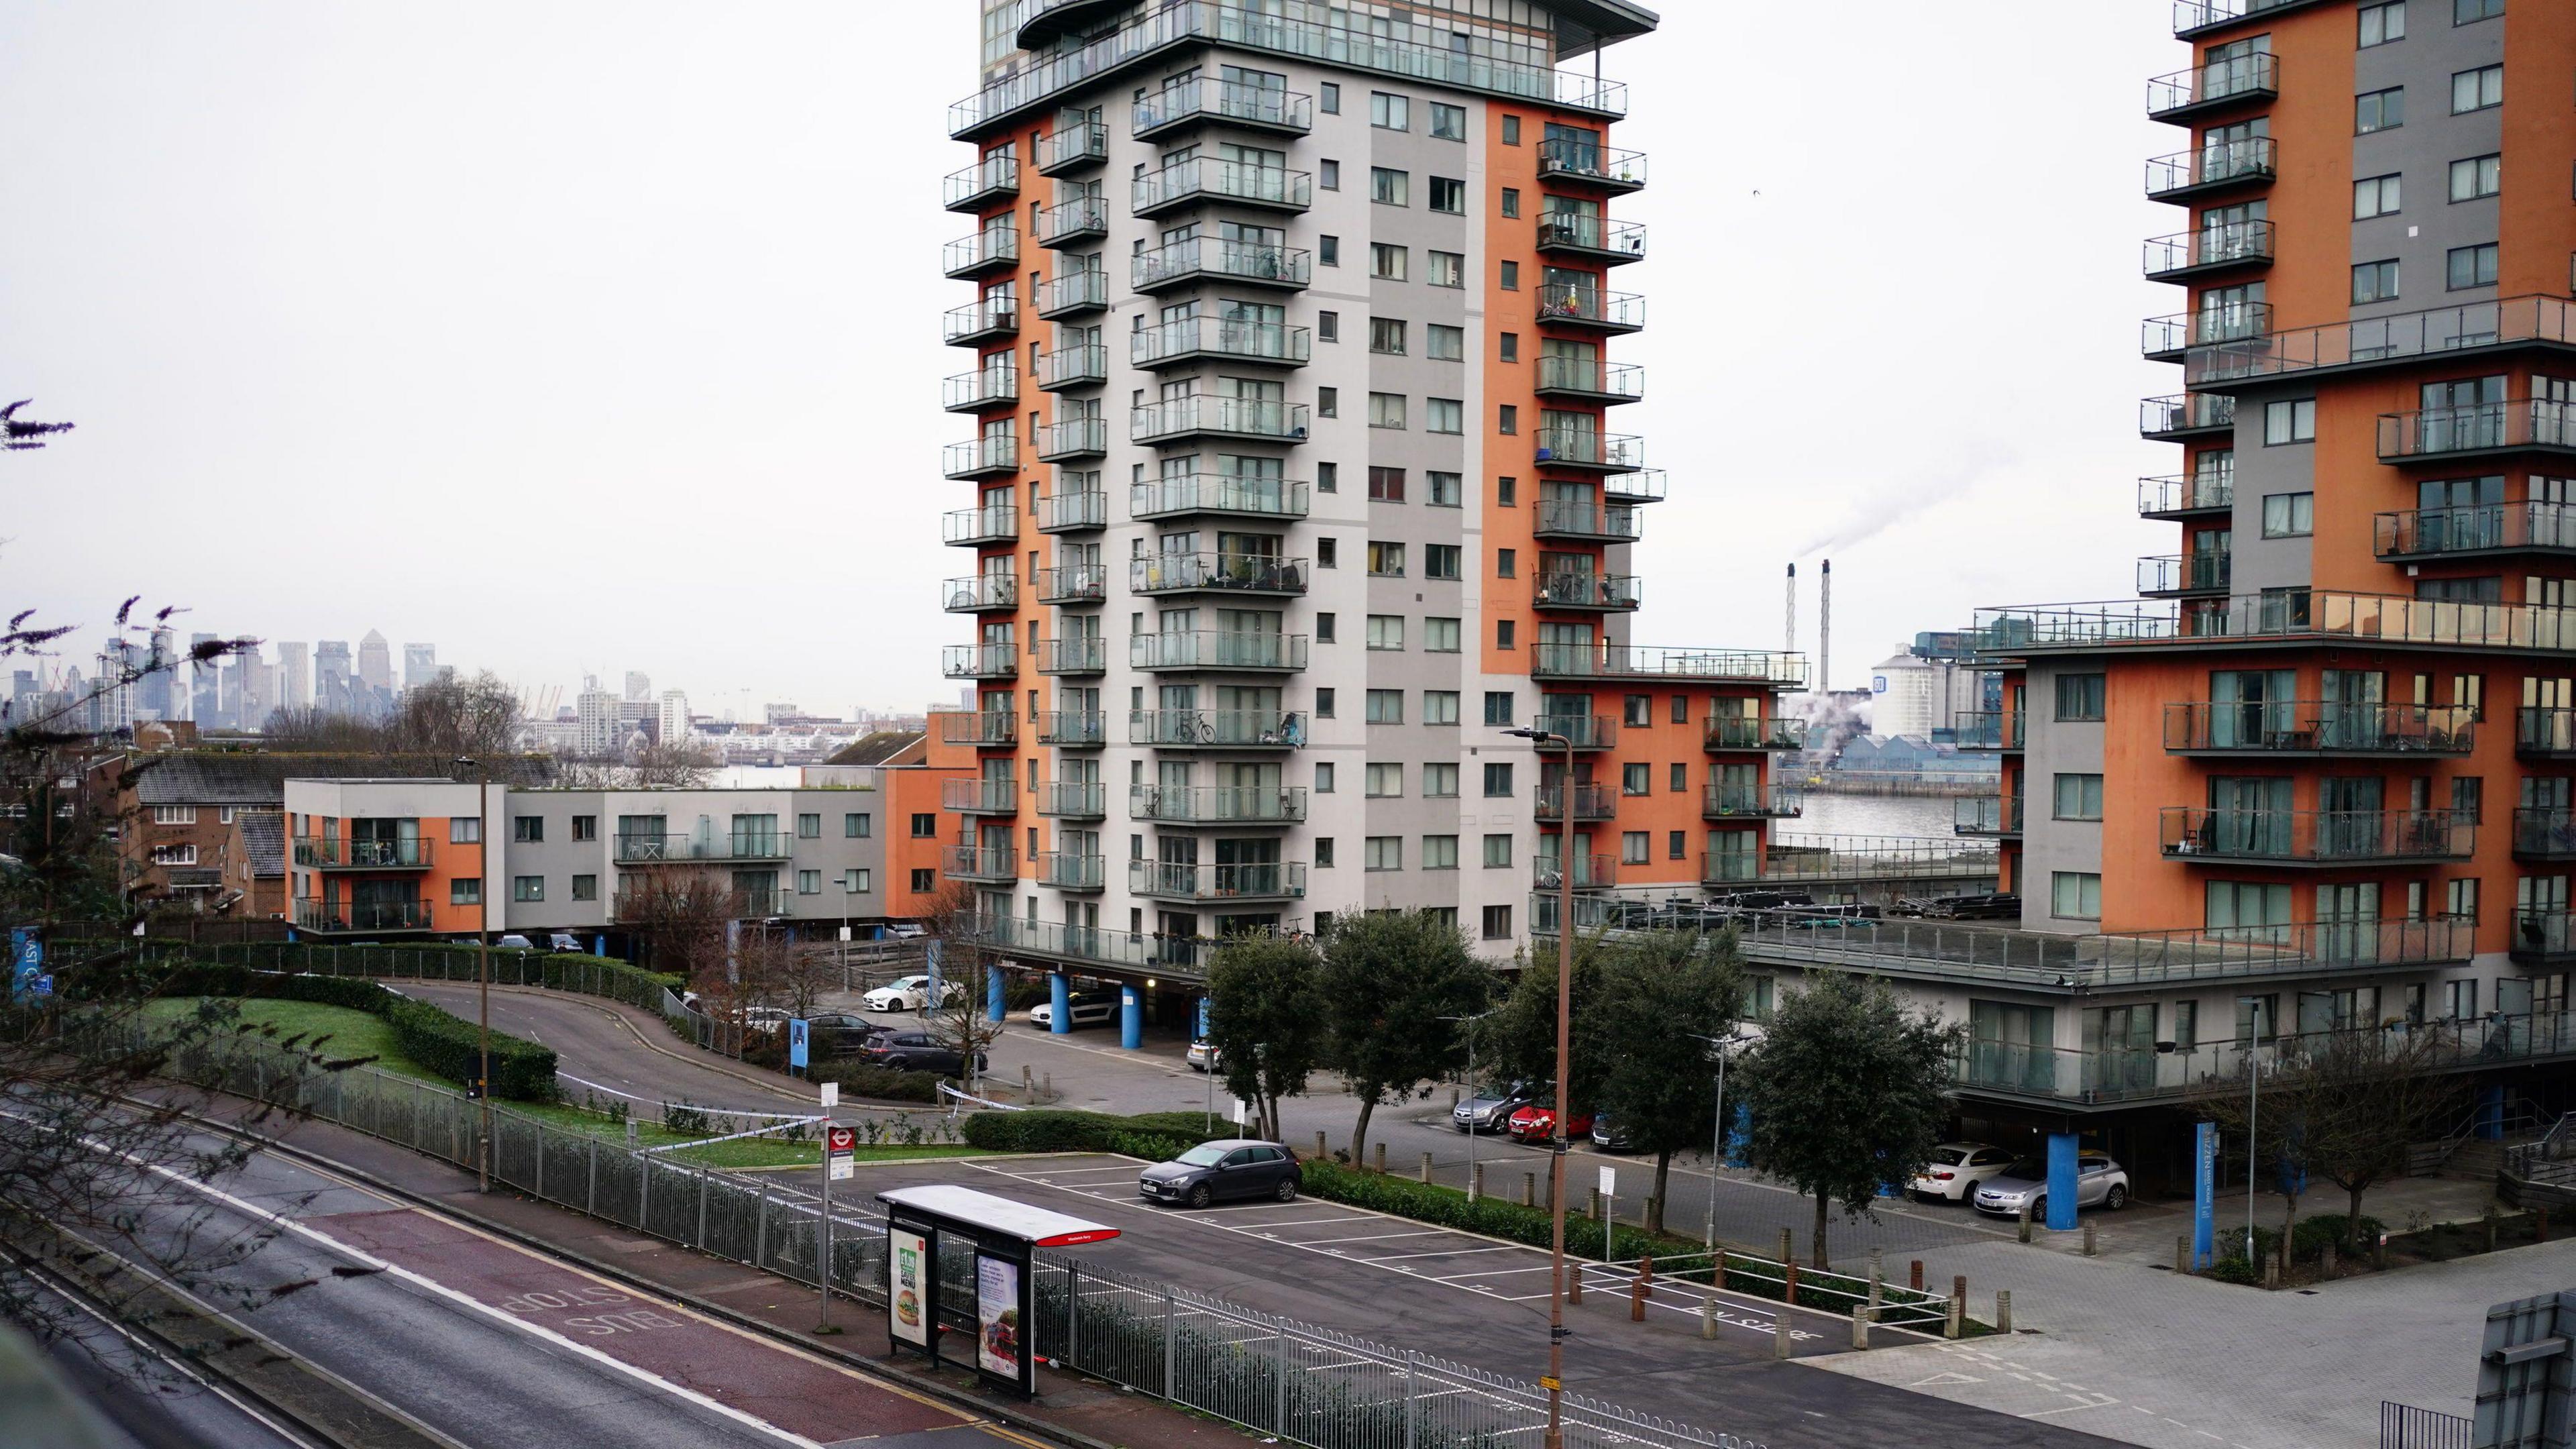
1921, 816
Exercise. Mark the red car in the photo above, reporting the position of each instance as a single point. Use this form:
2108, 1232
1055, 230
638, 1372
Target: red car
1536, 1123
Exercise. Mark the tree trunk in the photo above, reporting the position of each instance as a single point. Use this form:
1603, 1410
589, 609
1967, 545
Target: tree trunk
2289, 1222
1663, 1186
2352, 1217
1816, 1245
1359, 1134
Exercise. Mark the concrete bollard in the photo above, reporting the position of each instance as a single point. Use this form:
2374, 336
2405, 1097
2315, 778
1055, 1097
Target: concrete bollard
2271, 1271
1381, 1159
1574, 1281
2379, 1253
1708, 1317
2182, 1253
2326, 1259
1453, 1099
1914, 1278
1046, 1085
1637, 1291
2003, 1310
1320, 1153
1788, 1248
1860, 1326
2089, 1244
1780, 1334
1877, 1286
1426, 1167
1028, 1083
2022, 1224
1529, 1189
1955, 1322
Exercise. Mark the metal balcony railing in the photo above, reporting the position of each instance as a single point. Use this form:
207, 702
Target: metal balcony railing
975, 527
331, 917
2226, 244
971, 862
984, 728
1073, 729
2212, 164
1070, 148
2167, 339
1987, 729
1579, 306
2453, 333
1725, 801
1169, 880
1591, 872
2222, 82
1217, 729
1593, 236
1170, 955
1583, 731
1209, 413
1587, 802
2478, 428
2480, 528
1073, 799
1073, 438
992, 179
1074, 654
2544, 733
1217, 804
2186, 414
1183, 493
2192, 16
1576, 159
2185, 493
637, 848
1072, 872
994, 453
2544, 833
1638, 661
2543, 938
1068, 293
1998, 815
1877, 858
1646, 485
977, 321
2319, 727
2316, 837
1167, 343
1209, 178
1073, 367
1073, 512
1604, 382
2307, 614
983, 388
1568, 590
1575, 448
2188, 573
1221, 259
979, 661
1084, 583
1745, 732
1194, 573
1559, 518
980, 592
1072, 218
327, 853
1232, 102
981, 251
1217, 649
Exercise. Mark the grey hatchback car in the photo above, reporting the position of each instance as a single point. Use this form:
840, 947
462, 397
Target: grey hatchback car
2099, 1182
1234, 1167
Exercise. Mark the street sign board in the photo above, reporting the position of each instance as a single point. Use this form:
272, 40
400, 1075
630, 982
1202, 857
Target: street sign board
840, 1150
1609, 1181
831, 1094
797, 1048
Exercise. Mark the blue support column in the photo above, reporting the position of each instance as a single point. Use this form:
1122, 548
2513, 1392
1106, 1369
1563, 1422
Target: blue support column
1131, 1018
996, 994
1059, 1004
599, 945
2061, 1181
2204, 1196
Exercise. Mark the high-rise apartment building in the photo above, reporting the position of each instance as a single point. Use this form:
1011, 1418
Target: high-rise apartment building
375, 662
2331, 759
334, 686
1296, 483
602, 730
294, 674
639, 685
420, 665
671, 725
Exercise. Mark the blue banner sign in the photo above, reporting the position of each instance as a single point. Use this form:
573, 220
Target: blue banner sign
2204, 1197
26, 964
1203, 1019
796, 1043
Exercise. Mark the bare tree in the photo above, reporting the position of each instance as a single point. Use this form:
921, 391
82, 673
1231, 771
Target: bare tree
960, 1021
678, 917
772, 970
678, 764
476, 718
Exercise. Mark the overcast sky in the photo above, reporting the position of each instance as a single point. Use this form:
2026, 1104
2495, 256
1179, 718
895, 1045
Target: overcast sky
605, 336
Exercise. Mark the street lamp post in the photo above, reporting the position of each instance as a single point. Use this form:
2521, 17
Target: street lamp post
1469, 1022
483, 967
1556, 1130
2253, 1104
1717, 1047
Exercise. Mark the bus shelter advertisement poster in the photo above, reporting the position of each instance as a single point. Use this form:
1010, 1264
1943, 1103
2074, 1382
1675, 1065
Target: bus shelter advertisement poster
998, 1348
907, 1304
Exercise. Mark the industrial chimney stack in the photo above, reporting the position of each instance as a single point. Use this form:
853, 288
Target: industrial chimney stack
1825, 631
1789, 636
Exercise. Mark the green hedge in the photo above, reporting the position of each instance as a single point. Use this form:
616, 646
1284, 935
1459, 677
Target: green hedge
433, 1039
2308, 1241
858, 1079
1060, 1131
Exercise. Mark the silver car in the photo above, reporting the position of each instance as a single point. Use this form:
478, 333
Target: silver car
2099, 1182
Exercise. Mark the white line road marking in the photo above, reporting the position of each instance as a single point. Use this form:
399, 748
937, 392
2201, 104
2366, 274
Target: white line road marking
1370, 1238
1449, 1253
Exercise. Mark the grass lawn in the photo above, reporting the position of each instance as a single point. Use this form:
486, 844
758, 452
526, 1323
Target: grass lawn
354, 1033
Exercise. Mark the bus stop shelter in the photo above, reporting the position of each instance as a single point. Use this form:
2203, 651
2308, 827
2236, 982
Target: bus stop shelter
962, 1261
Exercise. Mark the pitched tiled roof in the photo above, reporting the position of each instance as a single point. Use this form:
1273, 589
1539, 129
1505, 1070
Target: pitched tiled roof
263, 835
877, 749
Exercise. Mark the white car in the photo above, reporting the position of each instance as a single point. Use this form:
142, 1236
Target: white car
1204, 1057
908, 993
764, 1018
1958, 1167
1085, 1011
906, 931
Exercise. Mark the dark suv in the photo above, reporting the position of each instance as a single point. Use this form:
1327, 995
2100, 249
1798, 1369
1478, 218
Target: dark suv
842, 1033
917, 1051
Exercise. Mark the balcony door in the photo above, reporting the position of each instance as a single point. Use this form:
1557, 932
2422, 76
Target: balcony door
2459, 513
2248, 815
2244, 910
2251, 708
2120, 1048
2461, 414
2348, 921
2013, 1047
2540, 913
2348, 816
2351, 703
2553, 410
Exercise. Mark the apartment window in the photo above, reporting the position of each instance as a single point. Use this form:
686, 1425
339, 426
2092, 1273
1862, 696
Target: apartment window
1506, 634
1511, 130
1328, 251
1386, 560
1637, 711
2472, 266
1323, 861
1511, 202
2460, 898
1636, 779
1328, 477
2375, 282
1386, 485
1676, 845
1446, 490
1328, 402
1440, 782
2476, 90
1444, 415
1440, 707
1324, 777
1681, 709
1449, 194
1507, 421
2468, 798
527, 887
1498, 711
465, 830
2377, 196
1387, 261
174, 854
1386, 631
465, 891
2469, 692
1386, 334
1328, 326
925, 881
1507, 563
1507, 492
1328, 174
2379, 110
1326, 627
1390, 187
1511, 276
1498, 852
1498, 777
1382, 852
1386, 410
2079, 696
1442, 560
1328, 553
809, 882
1393, 112
1440, 852
2079, 797
2469, 12
858, 880
1330, 100
1448, 122
585, 827
1635, 847
2290, 421
2289, 515
1386, 706
808, 827
925, 826
174, 814
2476, 177
1448, 269
2383, 23
528, 829
856, 826
1443, 343
1679, 783
2460, 999
1325, 701
2075, 895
